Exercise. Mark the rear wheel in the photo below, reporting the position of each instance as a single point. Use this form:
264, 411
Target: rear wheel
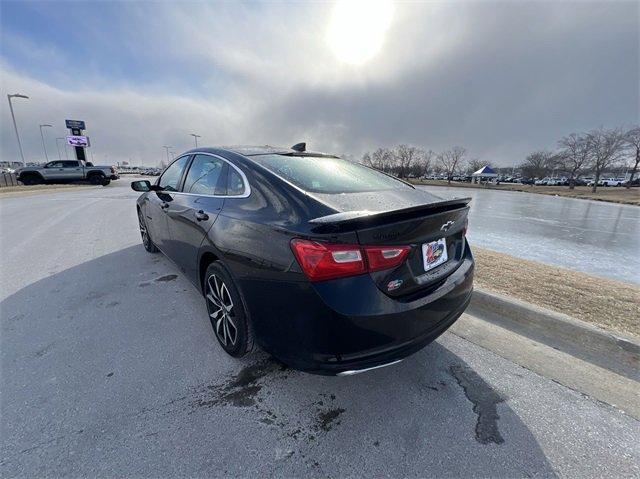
31, 180
144, 232
227, 312
106, 181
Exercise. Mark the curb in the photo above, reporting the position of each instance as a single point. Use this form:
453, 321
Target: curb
616, 352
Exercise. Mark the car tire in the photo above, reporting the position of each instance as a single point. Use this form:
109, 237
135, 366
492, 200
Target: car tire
31, 180
96, 179
227, 312
144, 232
105, 181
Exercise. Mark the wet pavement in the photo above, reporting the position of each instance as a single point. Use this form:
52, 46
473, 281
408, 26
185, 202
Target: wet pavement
590, 236
109, 367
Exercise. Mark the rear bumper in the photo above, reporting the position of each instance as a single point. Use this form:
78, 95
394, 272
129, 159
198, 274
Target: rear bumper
349, 324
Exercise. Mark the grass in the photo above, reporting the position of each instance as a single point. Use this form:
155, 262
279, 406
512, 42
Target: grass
607, 303
630, 196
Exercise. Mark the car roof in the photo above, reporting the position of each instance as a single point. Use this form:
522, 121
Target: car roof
249, 150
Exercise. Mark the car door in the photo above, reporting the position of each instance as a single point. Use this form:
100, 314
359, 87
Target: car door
194, 210
54, 170
71, 170
156, 203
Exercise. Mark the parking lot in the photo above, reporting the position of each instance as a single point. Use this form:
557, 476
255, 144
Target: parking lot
109, 367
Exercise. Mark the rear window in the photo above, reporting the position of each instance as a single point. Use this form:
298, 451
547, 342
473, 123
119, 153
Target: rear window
327, 175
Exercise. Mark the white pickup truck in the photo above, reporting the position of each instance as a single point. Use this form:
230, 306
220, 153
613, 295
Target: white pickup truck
67, 171
611, 182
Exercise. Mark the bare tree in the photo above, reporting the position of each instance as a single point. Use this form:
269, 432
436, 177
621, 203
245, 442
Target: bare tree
575, 155
632, 142
404, 156
537, 164
451, 159
606, 148
366, 159
382, 159
425, 160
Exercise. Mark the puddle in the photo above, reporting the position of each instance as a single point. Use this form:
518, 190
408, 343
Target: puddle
484, 399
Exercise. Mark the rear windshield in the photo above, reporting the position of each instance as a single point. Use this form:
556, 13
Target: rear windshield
327, 175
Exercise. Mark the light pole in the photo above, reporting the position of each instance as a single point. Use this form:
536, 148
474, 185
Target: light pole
195, 137
66, 151
15, 126
42, 136
167, 150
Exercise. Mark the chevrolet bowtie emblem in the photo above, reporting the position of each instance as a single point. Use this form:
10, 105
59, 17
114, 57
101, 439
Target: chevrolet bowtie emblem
447, 225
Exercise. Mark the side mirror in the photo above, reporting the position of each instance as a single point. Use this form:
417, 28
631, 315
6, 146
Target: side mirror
142, 185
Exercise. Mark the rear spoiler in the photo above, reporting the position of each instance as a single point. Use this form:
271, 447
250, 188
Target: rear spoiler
339, 221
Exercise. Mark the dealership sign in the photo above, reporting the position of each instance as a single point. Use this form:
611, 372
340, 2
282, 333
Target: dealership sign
78, 140
79, 124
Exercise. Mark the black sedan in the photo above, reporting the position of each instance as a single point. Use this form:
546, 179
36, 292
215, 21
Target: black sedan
330, 266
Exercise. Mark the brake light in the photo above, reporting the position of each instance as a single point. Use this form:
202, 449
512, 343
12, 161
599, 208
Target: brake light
322, 261
385, 257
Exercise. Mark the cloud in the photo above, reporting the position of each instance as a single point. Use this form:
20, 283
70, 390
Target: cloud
501, 79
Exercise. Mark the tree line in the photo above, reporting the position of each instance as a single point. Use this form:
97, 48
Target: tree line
589, 153
576, 155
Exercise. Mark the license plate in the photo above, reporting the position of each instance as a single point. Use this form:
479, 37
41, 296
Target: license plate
434, 254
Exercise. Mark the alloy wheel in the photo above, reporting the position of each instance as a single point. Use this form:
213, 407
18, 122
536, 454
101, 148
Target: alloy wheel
221, 311
143, 230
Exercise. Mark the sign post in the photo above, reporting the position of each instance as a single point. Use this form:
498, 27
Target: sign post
77, 139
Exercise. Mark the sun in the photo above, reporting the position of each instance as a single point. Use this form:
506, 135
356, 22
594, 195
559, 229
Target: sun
357, 29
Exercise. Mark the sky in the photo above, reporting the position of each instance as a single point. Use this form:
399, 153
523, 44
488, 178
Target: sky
501, 79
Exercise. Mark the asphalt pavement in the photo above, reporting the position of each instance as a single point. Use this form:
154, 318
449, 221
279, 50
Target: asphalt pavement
109, 367
594, 237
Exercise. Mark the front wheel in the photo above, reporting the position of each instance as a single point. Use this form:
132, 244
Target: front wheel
227, 312
144, 232
96, 179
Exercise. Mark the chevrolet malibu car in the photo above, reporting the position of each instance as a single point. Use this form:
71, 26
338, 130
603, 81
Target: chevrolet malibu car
330, 266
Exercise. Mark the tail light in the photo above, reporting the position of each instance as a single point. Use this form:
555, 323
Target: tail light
385, 257
113, 169
322, 261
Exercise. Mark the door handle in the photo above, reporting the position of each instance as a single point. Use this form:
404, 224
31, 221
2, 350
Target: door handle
164, 205
202, 216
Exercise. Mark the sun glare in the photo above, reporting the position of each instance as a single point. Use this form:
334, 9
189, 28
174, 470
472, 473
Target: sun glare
358, 28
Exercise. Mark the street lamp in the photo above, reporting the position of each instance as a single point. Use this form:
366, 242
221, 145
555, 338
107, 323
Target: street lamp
42, 136
195, 137
167, 150
15, 127
64, 145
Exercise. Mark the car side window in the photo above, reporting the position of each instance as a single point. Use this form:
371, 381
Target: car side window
70, 164
171, 177
205, 176
235, 184
54, 164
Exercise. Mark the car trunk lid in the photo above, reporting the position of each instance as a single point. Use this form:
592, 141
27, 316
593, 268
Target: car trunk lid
432, 230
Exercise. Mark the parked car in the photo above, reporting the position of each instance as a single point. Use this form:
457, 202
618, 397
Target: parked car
67, 171
611, 182
525, 181
542, 181
330, 266
582, 181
